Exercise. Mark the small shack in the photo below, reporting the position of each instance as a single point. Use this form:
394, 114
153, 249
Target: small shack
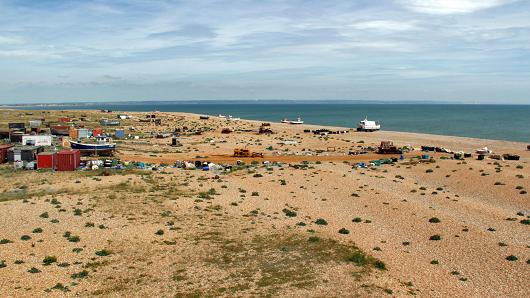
83, 133
17, 125
23, 153
119, 133
3, 152
37, 140
96, 132
60, 130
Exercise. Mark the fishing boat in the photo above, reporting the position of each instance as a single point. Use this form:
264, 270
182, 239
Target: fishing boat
103, 146
367, 125
297, 121
230, 118
108, 122
484, 151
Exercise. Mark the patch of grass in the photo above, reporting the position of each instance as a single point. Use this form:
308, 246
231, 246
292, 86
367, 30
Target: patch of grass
435, 237
73, 238
34, 270
49, 260
289, 213
103, 253
82, 274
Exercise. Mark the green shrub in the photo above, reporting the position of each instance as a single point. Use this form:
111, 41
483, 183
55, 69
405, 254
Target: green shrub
289, 213
103, 253
49, 260
344, 231
435, 237
434, 220
159, 232
25, 237
37, 230
321, 222
81, 274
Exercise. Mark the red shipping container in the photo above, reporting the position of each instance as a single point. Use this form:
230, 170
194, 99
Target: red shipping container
68, 160
47, 160
3, 153
64, 119
97, 131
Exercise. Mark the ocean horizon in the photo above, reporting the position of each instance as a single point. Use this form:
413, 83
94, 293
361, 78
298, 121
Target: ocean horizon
484, 121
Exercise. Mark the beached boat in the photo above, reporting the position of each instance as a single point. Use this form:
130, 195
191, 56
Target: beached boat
230, 118
108, 122
297, 121
484, 151
367, 125
103, 146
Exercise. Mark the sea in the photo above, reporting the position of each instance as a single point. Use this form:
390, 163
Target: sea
497, 122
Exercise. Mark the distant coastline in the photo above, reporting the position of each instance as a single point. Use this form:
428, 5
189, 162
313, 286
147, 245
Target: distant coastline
482, 121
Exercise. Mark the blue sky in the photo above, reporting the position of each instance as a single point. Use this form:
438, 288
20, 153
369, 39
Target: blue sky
447, 50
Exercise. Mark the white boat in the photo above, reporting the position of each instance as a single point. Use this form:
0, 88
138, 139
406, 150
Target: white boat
484, 151
221, 116
297, 121
367, 125
230, 118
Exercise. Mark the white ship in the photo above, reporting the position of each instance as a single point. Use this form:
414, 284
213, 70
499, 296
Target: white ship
297, 121
367, 125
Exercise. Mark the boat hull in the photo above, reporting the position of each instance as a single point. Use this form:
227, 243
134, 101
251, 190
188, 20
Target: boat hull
94, 149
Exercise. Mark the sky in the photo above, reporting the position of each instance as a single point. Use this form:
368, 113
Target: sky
473, 51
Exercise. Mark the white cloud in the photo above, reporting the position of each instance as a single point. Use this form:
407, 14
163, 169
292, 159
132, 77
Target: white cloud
9, 40
451, 6
384, 25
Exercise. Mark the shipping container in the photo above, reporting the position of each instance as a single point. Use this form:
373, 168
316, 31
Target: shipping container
72, 133
120, 133
3, 152
41, 140
65, 119
97, 132
47, 160
68, 160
